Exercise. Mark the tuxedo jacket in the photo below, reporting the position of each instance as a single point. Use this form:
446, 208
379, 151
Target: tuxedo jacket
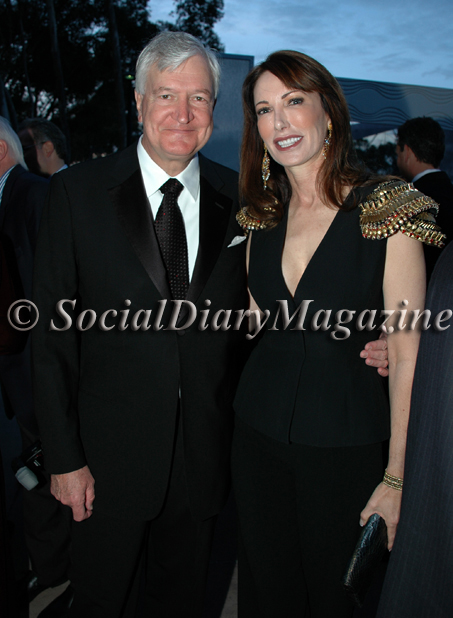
419, 578
108, 397
20, 212
438, 186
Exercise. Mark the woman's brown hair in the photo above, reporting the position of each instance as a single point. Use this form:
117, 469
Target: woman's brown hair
341, 167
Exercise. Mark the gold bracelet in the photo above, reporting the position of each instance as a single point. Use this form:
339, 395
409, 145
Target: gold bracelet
395, 482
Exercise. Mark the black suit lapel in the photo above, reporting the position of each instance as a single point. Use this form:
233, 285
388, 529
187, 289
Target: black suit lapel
134, 214
215, 210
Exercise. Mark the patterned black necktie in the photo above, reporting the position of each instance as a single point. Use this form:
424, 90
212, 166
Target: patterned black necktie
171, 234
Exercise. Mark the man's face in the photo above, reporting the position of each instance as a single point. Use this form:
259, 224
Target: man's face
33, 155
176, 112
29, 149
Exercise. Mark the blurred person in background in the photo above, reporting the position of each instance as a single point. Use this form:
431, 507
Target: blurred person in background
46, 523
420, 149
44, 146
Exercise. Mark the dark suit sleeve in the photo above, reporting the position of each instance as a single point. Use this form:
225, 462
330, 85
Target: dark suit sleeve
419, 579
56, 353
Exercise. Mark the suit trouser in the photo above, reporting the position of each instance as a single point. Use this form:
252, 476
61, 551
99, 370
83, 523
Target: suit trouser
108, 554
46, 521
298, 509
47, 531
7, 589
10, 445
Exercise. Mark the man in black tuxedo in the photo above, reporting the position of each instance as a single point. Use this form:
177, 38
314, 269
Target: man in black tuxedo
146, 414
420, 149
419, 578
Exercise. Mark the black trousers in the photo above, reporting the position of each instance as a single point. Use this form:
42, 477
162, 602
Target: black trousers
298, 509
47, 530
7, 580
46, 522
108, 555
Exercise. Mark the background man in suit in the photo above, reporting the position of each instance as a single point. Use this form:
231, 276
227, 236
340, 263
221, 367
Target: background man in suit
44, 146
21, 200
420, 149
22, 197
420, 573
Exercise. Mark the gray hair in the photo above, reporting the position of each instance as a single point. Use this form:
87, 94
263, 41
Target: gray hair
168, 50
10, 137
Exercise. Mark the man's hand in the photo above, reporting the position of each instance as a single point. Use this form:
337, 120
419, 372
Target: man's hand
376, 355
75, 489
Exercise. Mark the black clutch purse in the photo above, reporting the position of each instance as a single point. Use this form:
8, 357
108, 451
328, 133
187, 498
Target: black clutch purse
367, 555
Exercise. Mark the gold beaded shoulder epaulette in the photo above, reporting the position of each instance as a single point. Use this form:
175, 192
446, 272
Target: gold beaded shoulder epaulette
247, 222
397, 206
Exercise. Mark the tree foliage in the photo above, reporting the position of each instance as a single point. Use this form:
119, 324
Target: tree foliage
198, 17
379, 159
97, 52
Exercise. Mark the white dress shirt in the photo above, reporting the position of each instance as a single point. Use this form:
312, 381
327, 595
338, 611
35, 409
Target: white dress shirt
189, 199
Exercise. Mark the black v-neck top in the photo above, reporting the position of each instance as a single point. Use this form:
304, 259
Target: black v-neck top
304, 386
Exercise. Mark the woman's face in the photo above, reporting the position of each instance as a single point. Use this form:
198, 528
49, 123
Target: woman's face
292, 123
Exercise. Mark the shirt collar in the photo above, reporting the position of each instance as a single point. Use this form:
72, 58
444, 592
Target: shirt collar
418, 176
63, 167
4, 178
154, 176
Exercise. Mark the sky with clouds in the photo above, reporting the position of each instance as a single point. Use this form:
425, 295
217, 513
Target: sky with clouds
402, 41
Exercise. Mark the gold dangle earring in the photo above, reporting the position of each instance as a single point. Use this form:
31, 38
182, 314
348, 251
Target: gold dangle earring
327, 140
265, 169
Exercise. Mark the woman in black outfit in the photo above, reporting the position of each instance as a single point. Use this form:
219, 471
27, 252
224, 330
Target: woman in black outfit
312, 420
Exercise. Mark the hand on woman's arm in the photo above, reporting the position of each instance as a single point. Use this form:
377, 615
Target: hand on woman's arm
404, 279
375, 354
